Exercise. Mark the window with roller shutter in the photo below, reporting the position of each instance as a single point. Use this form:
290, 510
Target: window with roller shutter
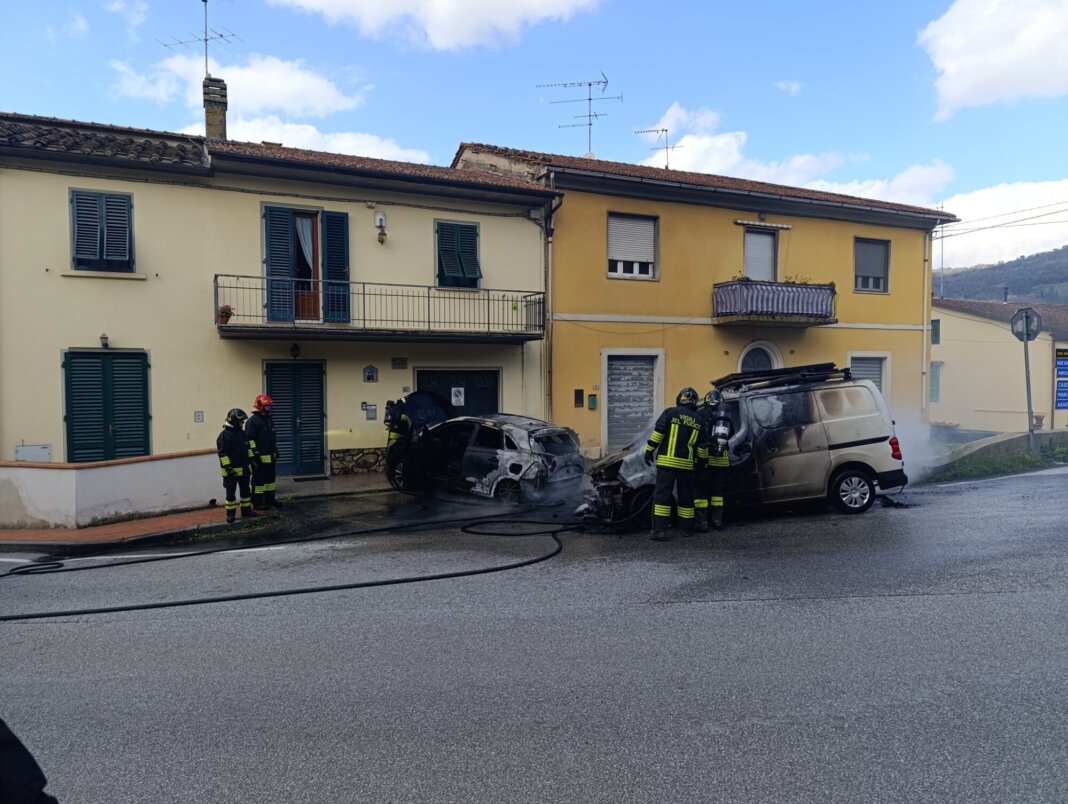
631, 247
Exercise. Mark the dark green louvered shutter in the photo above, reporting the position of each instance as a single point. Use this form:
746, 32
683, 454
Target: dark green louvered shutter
106, 405
312, 423
117, 228
85, 213
86, 422
467, 237
449, 266
335, 226
278, 262
129, 405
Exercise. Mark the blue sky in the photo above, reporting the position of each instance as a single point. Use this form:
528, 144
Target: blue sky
955, 102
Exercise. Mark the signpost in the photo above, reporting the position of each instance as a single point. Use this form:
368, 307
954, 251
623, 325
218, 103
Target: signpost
1026, 324
1061, 400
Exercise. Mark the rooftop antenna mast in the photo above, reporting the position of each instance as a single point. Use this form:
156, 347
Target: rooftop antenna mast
209, 35
589, 100
667, 147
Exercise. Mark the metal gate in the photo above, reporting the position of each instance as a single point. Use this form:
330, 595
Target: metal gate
630, 398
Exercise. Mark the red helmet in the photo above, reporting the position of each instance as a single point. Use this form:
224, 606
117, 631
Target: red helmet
262, 403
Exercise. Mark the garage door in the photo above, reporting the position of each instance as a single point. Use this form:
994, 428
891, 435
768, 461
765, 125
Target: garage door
630, 398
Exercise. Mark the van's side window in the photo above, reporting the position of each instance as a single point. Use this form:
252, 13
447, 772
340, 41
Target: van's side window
775, 411
840, 403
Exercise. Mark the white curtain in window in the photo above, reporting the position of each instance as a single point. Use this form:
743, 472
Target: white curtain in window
304, 234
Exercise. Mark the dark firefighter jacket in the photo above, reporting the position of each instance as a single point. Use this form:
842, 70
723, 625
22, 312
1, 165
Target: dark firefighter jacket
259, 430
233, 451
675, 438
715, 455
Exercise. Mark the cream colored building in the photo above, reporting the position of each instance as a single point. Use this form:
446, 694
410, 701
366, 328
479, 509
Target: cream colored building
978, 372
351, 281
662, 279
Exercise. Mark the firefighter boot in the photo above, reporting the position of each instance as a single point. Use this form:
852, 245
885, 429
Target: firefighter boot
231, 515
247, 512
717, 517
659, 535
700, 520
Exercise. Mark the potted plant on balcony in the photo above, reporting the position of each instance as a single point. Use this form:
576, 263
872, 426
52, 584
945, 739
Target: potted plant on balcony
224, 313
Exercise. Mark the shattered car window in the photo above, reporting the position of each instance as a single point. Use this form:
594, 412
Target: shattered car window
489, 438
556, 443
775, 411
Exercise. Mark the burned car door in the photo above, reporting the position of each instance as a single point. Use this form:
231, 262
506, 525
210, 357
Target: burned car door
442, 452
481, 464
790, 446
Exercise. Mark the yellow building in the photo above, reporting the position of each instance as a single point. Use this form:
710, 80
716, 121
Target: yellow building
151, 281
660, 279
978, 376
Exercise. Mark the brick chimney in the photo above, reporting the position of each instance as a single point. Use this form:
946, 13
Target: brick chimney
215, 108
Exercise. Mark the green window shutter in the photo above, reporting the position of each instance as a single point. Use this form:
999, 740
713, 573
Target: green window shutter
278, 262
85, 213
449, 264
86, 421
129, 405
335, 243
468, 248
117, 227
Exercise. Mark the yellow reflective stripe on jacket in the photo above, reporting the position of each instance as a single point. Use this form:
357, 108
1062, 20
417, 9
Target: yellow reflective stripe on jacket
224, 460
674, 463
719, 460
266, 459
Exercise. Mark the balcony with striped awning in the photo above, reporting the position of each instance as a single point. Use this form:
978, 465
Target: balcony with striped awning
783, 304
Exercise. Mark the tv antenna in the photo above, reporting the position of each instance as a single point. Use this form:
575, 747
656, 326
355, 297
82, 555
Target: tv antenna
667, 147
209, 35
589, 100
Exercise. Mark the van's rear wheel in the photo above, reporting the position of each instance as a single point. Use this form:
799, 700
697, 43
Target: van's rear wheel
852, 491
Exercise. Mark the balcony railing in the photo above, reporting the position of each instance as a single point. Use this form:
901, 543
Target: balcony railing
265, 307
747, 301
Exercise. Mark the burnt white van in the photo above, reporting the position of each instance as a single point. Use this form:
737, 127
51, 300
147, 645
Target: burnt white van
802, 433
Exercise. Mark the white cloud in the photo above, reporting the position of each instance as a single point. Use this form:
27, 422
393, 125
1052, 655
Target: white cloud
263, 84
1041, 206
987, 51
302, 135
916, 184
77, 26
443, 24
792, 88
135, 12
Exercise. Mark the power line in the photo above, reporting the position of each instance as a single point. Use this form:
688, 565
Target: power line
1021, 221
1011, 212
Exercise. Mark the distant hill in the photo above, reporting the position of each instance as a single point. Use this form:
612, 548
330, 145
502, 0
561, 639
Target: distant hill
1037, 278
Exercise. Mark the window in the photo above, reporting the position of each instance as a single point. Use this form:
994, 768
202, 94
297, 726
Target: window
489, 438
789, 409
871, 264
760, 254
106, 402
631, 247
936, 331
458, 255
307, 264
936, 380
868, 368
101, 231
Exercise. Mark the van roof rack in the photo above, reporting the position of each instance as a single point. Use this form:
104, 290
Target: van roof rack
771, 378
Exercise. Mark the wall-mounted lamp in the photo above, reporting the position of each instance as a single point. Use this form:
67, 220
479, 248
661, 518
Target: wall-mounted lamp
103, 340
294, 350
380, 224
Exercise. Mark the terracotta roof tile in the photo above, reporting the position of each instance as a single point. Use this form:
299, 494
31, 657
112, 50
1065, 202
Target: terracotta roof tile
95, 140
272, 151
1054, 316
708, 180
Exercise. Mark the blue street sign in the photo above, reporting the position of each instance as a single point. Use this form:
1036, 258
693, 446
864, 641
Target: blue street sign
1062, 371
1062, 396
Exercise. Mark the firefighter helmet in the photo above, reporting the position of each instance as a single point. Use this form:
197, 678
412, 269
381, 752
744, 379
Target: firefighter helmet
236, 417
262, 403
687, 397
713, 398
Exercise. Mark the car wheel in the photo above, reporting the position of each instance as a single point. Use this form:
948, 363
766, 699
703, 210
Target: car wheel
508, 491
852, 491
638, 507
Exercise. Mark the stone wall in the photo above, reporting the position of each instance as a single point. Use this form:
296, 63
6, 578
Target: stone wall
356, 461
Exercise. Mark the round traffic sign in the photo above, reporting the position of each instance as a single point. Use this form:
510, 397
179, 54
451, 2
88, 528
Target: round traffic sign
1026, 324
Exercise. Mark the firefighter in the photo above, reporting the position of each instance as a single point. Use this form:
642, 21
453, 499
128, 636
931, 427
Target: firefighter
235, 458
263, 446
718, 461
673, 446
702, 475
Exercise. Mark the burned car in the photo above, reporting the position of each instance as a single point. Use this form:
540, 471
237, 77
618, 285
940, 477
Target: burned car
507, 457
803, 433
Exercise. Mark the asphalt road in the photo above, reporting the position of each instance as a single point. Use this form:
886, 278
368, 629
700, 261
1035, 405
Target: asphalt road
911, 654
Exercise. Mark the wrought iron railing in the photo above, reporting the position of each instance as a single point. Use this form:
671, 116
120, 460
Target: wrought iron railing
258, 301
747, 297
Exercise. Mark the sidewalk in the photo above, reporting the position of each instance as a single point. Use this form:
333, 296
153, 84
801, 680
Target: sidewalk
157, 528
